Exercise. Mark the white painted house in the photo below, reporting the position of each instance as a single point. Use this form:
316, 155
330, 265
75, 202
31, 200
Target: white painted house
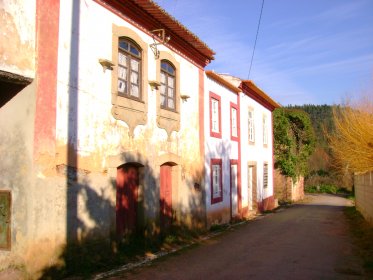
238, 148
222, 157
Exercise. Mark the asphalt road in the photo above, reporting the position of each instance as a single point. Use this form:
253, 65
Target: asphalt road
304, 241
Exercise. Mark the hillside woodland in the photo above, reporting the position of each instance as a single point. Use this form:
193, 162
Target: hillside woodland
323, 170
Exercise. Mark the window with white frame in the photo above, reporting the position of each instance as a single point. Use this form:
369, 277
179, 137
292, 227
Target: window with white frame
251, 126
216, 181
234, 130
265, 130
265, 175
215, 116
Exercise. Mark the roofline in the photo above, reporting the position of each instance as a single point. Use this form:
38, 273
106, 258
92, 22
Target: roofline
148, 15
211, 74
249, 88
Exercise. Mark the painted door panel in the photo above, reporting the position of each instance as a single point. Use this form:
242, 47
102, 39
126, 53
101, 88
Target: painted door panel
126, 199
166, 196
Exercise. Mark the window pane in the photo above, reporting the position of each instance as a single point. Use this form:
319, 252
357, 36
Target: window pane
122, 73
171, 70
171, 104
135, 91
170, 81
170, 92
163, 90
122, 59
216, 181
122, 87
134, 51
134, 78
215, 115
164, 65
163, 100
123, 45
234, 122
134, 65
163, 78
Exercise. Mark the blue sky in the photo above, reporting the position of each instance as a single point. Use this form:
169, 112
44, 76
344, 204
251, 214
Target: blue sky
308, 51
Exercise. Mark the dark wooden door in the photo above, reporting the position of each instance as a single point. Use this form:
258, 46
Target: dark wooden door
166, 197
126, 201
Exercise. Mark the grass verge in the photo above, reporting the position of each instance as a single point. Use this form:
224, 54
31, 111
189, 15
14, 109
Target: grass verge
362, 233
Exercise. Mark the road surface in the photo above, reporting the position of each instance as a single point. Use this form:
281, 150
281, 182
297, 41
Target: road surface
305, 241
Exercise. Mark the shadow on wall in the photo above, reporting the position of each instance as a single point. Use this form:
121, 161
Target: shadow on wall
115, 216
221, 151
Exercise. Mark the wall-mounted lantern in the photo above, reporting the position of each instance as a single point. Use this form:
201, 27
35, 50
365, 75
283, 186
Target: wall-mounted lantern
160, 35
184, 97
154, 84
106, 64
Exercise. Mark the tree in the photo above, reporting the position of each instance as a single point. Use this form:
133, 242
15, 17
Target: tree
352, 141
294, 141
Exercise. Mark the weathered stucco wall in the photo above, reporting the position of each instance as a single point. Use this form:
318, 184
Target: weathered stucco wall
16, 138
17, 48
86, 126
65, 191
364, 194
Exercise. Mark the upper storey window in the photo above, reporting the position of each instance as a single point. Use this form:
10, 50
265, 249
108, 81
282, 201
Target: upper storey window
168, 85
251, 126
215, 116
129, 69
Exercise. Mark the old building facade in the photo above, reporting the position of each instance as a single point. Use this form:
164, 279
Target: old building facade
110, 127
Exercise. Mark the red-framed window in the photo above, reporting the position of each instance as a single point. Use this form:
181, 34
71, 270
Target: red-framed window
215, 115
216, 181
234, 122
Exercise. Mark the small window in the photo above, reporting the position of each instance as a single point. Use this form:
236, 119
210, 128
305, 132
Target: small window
234, 126
215, 116
265, 175
251, 126
216, 181
265, 131
168, 86
129, 69
5, 219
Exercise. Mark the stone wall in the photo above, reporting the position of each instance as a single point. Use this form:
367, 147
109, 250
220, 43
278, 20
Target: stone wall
364, 194
287, 191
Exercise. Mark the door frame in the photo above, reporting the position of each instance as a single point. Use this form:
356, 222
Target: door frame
233, 162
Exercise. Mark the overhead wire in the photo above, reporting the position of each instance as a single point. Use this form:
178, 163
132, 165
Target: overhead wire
256, 39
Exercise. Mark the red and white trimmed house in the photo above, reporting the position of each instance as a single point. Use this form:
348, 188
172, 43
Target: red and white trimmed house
238, 148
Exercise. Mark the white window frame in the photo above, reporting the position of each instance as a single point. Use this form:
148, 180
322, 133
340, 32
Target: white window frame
234, 126
265, 130
251, 124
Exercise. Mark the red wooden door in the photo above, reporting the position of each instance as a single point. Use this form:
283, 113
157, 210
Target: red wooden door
126, 201
166, 196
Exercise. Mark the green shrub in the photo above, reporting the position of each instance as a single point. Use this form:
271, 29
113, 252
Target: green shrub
331, 189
